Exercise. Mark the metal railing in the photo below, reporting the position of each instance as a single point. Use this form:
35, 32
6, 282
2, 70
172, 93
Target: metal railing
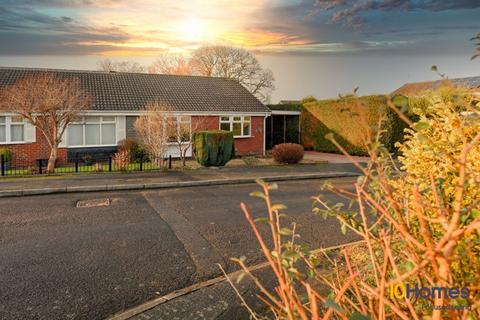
20, 167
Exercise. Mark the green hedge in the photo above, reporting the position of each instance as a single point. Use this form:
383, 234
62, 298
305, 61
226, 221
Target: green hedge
213, 148
348, 119
285, 106
7, 154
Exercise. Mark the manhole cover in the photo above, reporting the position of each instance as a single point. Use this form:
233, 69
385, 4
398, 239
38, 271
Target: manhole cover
93, 203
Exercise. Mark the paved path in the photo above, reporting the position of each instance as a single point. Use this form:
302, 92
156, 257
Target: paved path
62, 262
102, 179
333, 158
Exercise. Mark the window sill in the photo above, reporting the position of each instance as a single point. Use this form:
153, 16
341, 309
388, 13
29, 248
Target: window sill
14, 142
242, 137
92, 146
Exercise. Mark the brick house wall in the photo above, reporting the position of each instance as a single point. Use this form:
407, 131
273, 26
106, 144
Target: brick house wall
243, 146
26, 154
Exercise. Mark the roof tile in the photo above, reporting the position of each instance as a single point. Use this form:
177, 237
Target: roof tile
119, 91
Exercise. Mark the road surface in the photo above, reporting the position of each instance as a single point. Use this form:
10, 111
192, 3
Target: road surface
62, 262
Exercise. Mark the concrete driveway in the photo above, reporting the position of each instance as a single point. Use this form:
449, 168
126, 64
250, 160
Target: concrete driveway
62, 262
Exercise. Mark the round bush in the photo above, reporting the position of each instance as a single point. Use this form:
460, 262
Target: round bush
288, 153
7, 154
132, 147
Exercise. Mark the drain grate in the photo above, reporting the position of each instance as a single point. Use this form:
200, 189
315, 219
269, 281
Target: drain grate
93, 203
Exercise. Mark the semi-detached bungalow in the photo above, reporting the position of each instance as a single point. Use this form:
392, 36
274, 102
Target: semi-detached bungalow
119, 98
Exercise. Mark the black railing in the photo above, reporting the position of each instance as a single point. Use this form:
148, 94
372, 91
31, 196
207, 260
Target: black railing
20, 167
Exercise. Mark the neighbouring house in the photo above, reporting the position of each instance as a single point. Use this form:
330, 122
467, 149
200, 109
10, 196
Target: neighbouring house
415, 87
119, 98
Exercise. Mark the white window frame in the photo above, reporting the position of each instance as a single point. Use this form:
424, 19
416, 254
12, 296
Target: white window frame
8, 129
243, 120
4, 125
178, 122
21, 122
83, 121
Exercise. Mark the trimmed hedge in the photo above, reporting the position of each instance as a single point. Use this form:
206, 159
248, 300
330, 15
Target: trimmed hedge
348, 119
285, 106
213, 148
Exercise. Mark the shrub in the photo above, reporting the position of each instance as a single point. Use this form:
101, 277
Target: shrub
7, 154
288, 153
121, 160
433, 149
152, 129
349, 119
87, 159
213, 148
419, 226
98, 167
132, 147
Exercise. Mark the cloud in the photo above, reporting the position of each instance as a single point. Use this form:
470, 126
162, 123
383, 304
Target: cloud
337, 47
270, 26
350, 11
62, 3
29, 32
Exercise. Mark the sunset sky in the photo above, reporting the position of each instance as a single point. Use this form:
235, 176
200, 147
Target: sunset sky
319, 48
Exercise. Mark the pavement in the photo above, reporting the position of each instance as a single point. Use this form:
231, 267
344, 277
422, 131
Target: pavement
217, 301
333, 157
63, 262
37, 185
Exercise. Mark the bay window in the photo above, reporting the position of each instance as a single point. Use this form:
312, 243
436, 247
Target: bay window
92, 131
239, 125
12, 129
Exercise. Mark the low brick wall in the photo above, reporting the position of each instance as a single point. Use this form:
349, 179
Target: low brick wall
26, 154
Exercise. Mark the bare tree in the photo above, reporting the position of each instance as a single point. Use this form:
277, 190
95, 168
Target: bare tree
234, 63
180, 133
171, 64
120, 66
50, 103
153, 128
220, 61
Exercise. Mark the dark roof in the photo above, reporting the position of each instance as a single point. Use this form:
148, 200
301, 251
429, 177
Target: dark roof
415, 87
119, 91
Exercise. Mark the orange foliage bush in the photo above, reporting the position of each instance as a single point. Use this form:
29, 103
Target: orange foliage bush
288, 153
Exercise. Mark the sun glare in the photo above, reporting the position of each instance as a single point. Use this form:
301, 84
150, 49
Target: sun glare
192, 30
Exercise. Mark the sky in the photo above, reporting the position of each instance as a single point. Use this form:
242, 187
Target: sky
314, 47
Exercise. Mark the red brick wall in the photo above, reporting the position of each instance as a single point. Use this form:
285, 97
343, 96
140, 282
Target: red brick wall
243, 146
26, 154
205, 123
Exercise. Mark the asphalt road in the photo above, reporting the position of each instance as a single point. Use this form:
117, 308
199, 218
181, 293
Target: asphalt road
62, 262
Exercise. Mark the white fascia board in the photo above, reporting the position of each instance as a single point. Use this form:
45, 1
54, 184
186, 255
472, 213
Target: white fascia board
286, 112
136, 113
8, 114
